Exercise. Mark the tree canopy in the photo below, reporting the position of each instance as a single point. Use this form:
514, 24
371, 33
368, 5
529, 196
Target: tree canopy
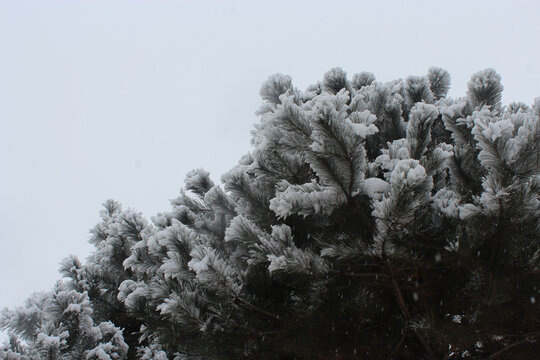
369, 220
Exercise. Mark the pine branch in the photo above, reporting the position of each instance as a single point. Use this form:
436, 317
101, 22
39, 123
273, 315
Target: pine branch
109, 304
398, 345
512, 345
360, 275
403, 307
399, 296
247, 305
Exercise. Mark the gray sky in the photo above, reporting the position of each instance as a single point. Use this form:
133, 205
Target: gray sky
102, 99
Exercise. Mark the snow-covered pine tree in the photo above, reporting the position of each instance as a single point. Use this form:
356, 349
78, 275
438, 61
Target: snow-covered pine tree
101, 275
97, 282
59, 325
370, 221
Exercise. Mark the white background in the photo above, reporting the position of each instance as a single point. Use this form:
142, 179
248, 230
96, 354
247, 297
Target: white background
120, 99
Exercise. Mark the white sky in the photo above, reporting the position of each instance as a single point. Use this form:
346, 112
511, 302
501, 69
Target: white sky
103, 99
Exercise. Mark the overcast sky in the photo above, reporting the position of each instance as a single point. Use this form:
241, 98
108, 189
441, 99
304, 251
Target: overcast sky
120, 99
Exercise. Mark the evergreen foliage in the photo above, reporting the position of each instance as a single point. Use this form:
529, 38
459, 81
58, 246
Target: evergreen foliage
369, 221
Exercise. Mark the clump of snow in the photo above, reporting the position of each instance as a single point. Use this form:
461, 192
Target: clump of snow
276, 262
362, 123
447, 202
468, 210
296, 260
493, 197
397, 150
199, 265
364, 130
115, 347
306, 199
318, 142
76, 308
98, 353
443, 151
375, 188
126, 288
146, 353
498, 129
51, 342
130, 292
454, 111
515, 144
408, 172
